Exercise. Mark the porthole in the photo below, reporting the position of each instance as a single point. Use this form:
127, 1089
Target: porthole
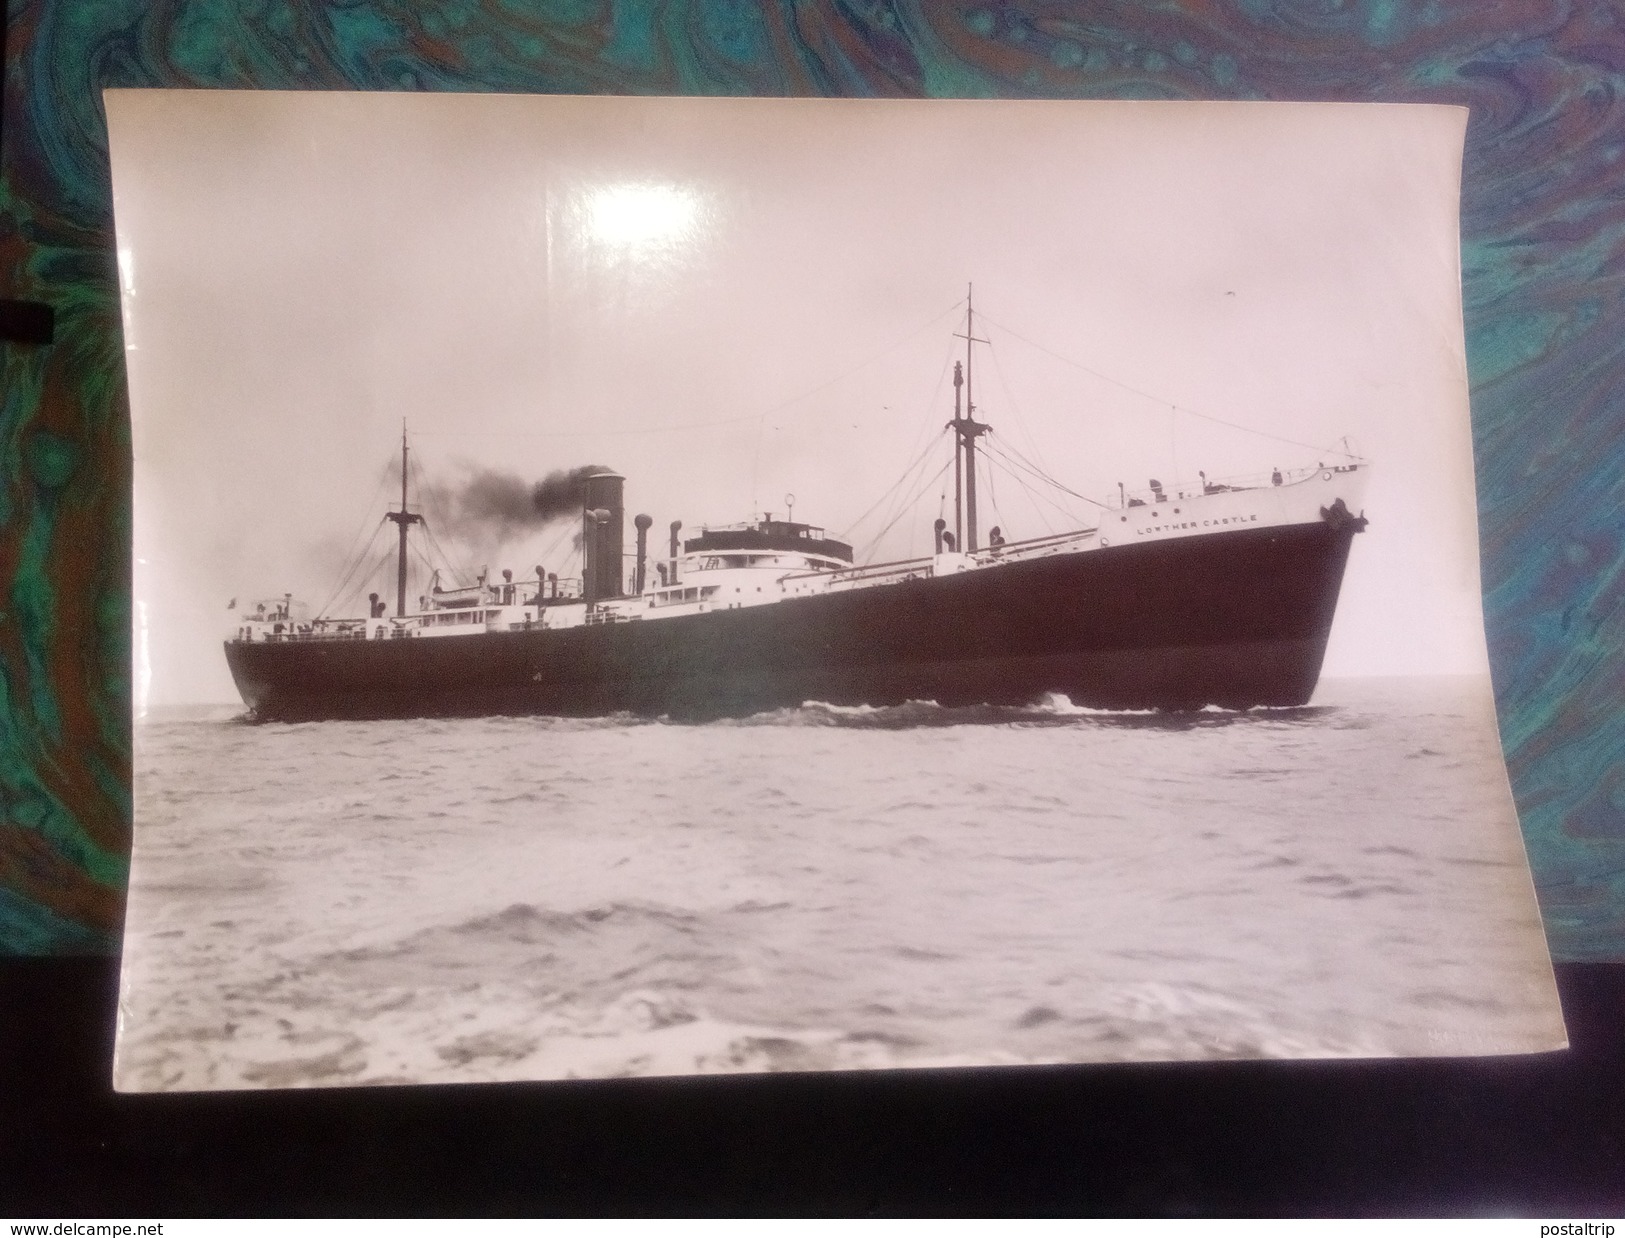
1105, 541
1124, 518
1325, 477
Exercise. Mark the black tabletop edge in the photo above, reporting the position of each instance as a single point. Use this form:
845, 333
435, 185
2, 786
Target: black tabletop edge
1535, 1136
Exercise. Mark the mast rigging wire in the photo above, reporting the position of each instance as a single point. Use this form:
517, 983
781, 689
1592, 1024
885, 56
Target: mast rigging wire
992, 494
1016, 474
930, 413
383, 478
1107, 378
701, 425
925, 421
930, 481
1034, 471
896, 508
566, 530
380, 567
903, 478
1010, 395
428, 495
1033, 496
354, 565
1021, 422
761, 417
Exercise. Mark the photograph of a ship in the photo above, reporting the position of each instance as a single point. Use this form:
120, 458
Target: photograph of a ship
999, 588
774, 613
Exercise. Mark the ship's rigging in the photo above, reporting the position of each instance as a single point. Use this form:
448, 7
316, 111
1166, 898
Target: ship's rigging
979, 456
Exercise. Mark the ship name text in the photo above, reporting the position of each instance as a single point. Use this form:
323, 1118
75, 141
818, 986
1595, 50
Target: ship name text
1194, 524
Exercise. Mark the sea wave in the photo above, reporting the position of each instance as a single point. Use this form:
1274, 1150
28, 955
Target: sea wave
1054, 710
638, 1034
821, 887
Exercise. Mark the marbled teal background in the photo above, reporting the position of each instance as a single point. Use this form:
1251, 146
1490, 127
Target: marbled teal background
1544, 265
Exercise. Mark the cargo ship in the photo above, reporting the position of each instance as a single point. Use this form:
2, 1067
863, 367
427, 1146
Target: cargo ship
1221, 594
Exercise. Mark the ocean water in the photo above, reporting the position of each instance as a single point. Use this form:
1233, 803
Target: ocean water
820, 888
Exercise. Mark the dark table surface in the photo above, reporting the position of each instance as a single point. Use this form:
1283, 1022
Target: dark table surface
1527, 1136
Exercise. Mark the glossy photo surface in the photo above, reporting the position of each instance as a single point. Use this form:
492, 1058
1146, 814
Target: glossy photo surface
1170, 736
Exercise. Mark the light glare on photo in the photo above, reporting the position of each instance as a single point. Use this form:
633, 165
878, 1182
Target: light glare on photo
637, 218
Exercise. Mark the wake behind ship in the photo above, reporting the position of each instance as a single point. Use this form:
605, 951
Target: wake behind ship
1221, 595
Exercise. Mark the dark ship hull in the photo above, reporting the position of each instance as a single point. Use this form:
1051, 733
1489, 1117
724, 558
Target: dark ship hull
1234, 619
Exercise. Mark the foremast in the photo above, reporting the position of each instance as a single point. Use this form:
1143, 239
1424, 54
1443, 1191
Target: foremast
403, 519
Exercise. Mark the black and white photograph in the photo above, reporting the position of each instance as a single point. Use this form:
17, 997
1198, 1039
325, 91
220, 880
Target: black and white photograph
647, 586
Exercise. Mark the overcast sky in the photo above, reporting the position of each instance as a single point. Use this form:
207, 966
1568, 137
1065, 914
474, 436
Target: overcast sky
730, 301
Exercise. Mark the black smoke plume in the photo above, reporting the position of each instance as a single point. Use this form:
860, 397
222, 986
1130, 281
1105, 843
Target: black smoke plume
492, 505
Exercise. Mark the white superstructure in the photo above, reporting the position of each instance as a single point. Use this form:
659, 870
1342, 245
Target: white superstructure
761, 564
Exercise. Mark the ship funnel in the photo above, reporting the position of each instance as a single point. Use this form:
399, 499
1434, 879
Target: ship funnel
641, 522
602, 521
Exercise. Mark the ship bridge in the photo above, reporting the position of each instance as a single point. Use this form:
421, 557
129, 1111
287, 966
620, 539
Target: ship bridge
769, 534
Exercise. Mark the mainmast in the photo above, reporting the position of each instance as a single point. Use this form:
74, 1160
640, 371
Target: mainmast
966, 431
959, 456
403, 518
